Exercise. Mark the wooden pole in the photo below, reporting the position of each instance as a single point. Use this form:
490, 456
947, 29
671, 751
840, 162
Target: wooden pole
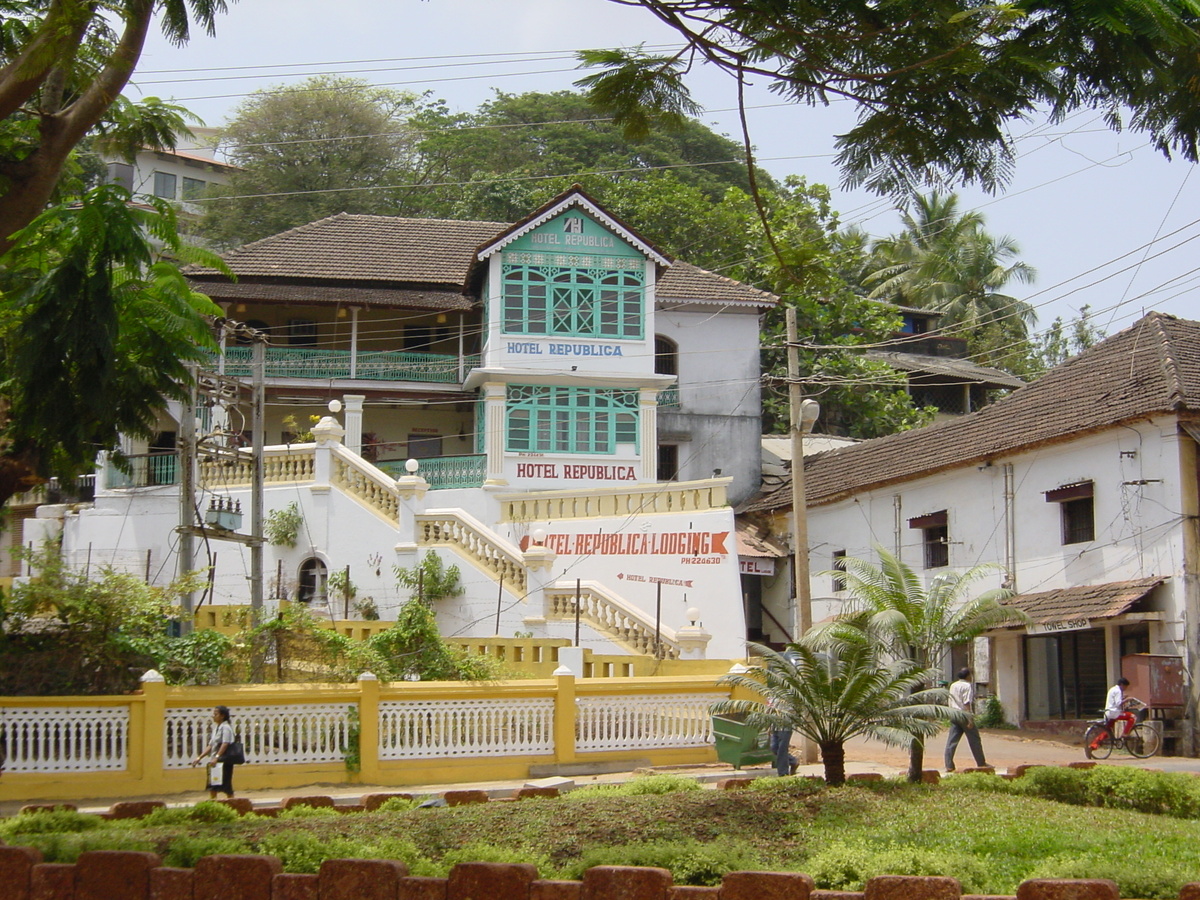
499, 601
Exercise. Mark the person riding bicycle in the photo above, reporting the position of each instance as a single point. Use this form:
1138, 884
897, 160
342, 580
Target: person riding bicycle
1117, 706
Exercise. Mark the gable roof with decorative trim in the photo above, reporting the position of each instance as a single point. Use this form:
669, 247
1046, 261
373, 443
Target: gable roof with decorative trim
575, 196
388, 258
1151, 368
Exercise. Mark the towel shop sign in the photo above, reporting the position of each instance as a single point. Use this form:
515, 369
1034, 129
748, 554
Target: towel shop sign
1079, 623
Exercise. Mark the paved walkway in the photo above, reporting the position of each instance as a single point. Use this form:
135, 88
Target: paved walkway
1004, 749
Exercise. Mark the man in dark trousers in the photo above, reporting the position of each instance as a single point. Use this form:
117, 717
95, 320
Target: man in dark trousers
962, 698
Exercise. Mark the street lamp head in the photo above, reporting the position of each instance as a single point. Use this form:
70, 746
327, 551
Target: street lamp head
411, 466
809, 410
335, 406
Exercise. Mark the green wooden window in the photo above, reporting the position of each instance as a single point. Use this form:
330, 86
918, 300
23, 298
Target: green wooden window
572, 301
570, 420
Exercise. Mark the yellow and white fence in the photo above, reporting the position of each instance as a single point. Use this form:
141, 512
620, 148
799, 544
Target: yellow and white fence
74, 748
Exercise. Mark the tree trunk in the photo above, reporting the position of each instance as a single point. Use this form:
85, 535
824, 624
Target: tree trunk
916, 759
833, 754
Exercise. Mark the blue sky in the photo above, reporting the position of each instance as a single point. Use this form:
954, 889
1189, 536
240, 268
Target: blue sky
1104, 219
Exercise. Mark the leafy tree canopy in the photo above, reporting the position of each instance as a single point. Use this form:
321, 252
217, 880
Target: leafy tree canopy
937, 83
536, 144
63, 66
325, 146
812, 269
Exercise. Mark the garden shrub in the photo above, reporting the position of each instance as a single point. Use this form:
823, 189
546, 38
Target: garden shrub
1055, 783
640, 786
847, 867
62, 847
303, 852
1133, 876
398, 804
206, 811
57, 821
185, 852
490, 853
979, 781
659, 784
592, 791
690, 862
1166, 793
792, 787
406, 852
308, 812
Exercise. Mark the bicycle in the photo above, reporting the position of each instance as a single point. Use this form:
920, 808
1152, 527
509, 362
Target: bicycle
1131, 735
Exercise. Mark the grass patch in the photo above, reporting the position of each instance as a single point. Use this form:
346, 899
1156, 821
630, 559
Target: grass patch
988, 833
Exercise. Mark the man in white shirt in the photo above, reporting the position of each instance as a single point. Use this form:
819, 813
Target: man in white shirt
962, 698
1114, 703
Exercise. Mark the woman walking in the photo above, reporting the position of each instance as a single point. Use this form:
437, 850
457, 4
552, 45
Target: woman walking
222, 737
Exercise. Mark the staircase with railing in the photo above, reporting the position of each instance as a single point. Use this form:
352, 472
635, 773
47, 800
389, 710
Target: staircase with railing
605, 611
487, 550
612, 616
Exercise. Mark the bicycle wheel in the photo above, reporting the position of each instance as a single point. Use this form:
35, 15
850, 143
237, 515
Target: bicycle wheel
1101, 738
1143, 741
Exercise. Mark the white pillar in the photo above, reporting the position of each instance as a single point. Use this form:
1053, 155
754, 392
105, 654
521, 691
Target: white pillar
354, 342
353, 405
412, 489
539, 565
649, 434
328, 434
493, 431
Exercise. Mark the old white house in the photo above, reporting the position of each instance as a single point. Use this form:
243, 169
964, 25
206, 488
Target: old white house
1082, 487
554, 406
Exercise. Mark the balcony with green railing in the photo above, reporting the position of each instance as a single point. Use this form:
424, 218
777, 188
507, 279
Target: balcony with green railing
444, 472
144, 470
668, 397
368, 365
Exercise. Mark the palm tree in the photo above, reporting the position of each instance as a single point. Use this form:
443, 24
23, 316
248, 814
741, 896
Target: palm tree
831, 698
891, 609
945, 261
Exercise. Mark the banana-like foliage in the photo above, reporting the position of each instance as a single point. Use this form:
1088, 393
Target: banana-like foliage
98, 327
829, 698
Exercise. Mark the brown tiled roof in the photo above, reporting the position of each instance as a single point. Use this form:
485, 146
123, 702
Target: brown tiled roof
1088, 601
334, 296
951, 367
684, 282
390, 252
1150, 368
349, 247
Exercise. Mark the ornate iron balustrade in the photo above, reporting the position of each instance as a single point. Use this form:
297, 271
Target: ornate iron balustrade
372, 365
668, 397
442, 472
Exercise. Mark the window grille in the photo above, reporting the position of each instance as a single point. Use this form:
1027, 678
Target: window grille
570, 420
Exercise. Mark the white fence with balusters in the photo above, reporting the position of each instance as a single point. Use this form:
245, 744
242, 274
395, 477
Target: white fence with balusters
402, 733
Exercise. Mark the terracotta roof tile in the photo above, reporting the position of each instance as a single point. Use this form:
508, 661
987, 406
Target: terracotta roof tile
334, 296
1150, 368
1088, 601
394, 252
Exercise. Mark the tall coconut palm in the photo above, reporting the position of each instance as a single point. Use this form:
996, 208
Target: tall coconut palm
892, 610
945, 261
832, 697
